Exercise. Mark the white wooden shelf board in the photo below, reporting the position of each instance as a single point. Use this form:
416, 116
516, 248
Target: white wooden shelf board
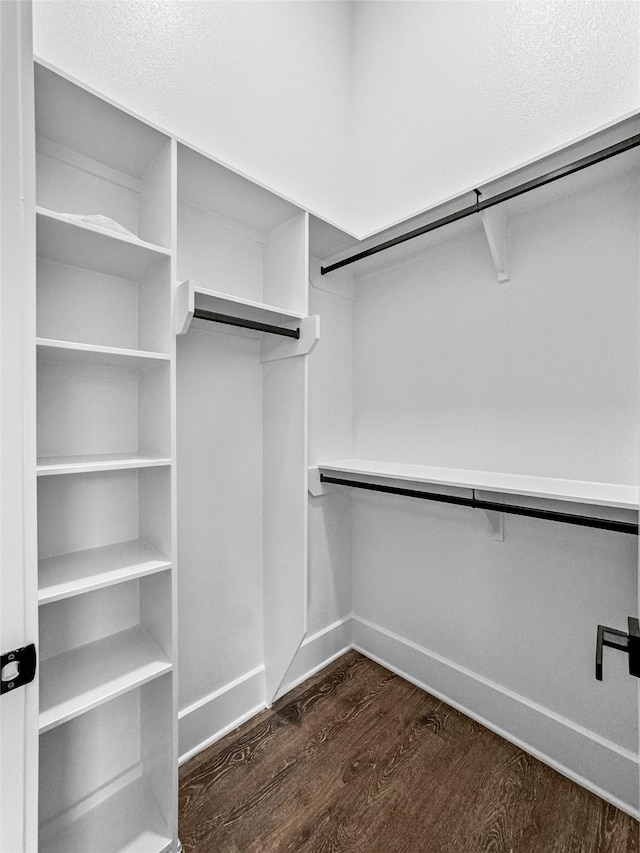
87, 246
225, 303
578, 491
53, 465
127, 822
84, 571
70, 352
84, 678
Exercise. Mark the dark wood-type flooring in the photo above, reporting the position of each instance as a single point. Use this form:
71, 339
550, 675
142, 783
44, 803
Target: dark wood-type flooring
357, 759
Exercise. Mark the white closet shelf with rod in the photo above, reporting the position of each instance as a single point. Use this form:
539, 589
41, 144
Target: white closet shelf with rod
195, 303
387, 477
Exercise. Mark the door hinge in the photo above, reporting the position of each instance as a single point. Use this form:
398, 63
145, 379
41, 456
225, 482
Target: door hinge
17, 667
629, 643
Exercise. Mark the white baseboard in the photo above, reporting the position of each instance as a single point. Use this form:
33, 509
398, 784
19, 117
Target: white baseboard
599, 765
318, 651
211, 718
207, 720
608, 770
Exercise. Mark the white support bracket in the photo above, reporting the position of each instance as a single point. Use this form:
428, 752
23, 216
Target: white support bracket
339, 283
495, 225
275, 349
183, 307
315, 487
495, 520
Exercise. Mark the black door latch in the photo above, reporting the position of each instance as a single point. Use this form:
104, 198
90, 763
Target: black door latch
17, 667
629, 643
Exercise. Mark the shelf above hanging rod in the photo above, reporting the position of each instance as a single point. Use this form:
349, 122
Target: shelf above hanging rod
228, 320
482, 204
495, 506
191, 297
288, 333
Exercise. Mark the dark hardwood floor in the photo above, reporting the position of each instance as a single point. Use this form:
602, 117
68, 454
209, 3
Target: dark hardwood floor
357, 759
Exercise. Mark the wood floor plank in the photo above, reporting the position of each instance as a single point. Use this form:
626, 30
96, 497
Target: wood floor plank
565, 817
304, 778
253, 768
363, 778
357, 760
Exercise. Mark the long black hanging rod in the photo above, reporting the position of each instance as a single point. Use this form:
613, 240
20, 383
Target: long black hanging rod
483, 204
228, 320
474, 503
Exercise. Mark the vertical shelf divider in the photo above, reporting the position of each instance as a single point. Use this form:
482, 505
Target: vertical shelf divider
285, 436
173, 787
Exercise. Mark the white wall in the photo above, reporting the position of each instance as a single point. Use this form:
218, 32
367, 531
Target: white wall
219, 474
262, 86
363, 112
449, 94
539, 374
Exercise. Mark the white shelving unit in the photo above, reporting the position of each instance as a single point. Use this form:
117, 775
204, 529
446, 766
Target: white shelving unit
106, 480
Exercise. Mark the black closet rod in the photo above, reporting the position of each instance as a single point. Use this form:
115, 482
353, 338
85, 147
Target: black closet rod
474, 503
228, 320
480, 205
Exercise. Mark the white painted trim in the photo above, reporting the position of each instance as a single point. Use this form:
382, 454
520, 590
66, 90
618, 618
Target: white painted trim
228, 703
527, 720
208, 719
243, 718
324, 631
216, 694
